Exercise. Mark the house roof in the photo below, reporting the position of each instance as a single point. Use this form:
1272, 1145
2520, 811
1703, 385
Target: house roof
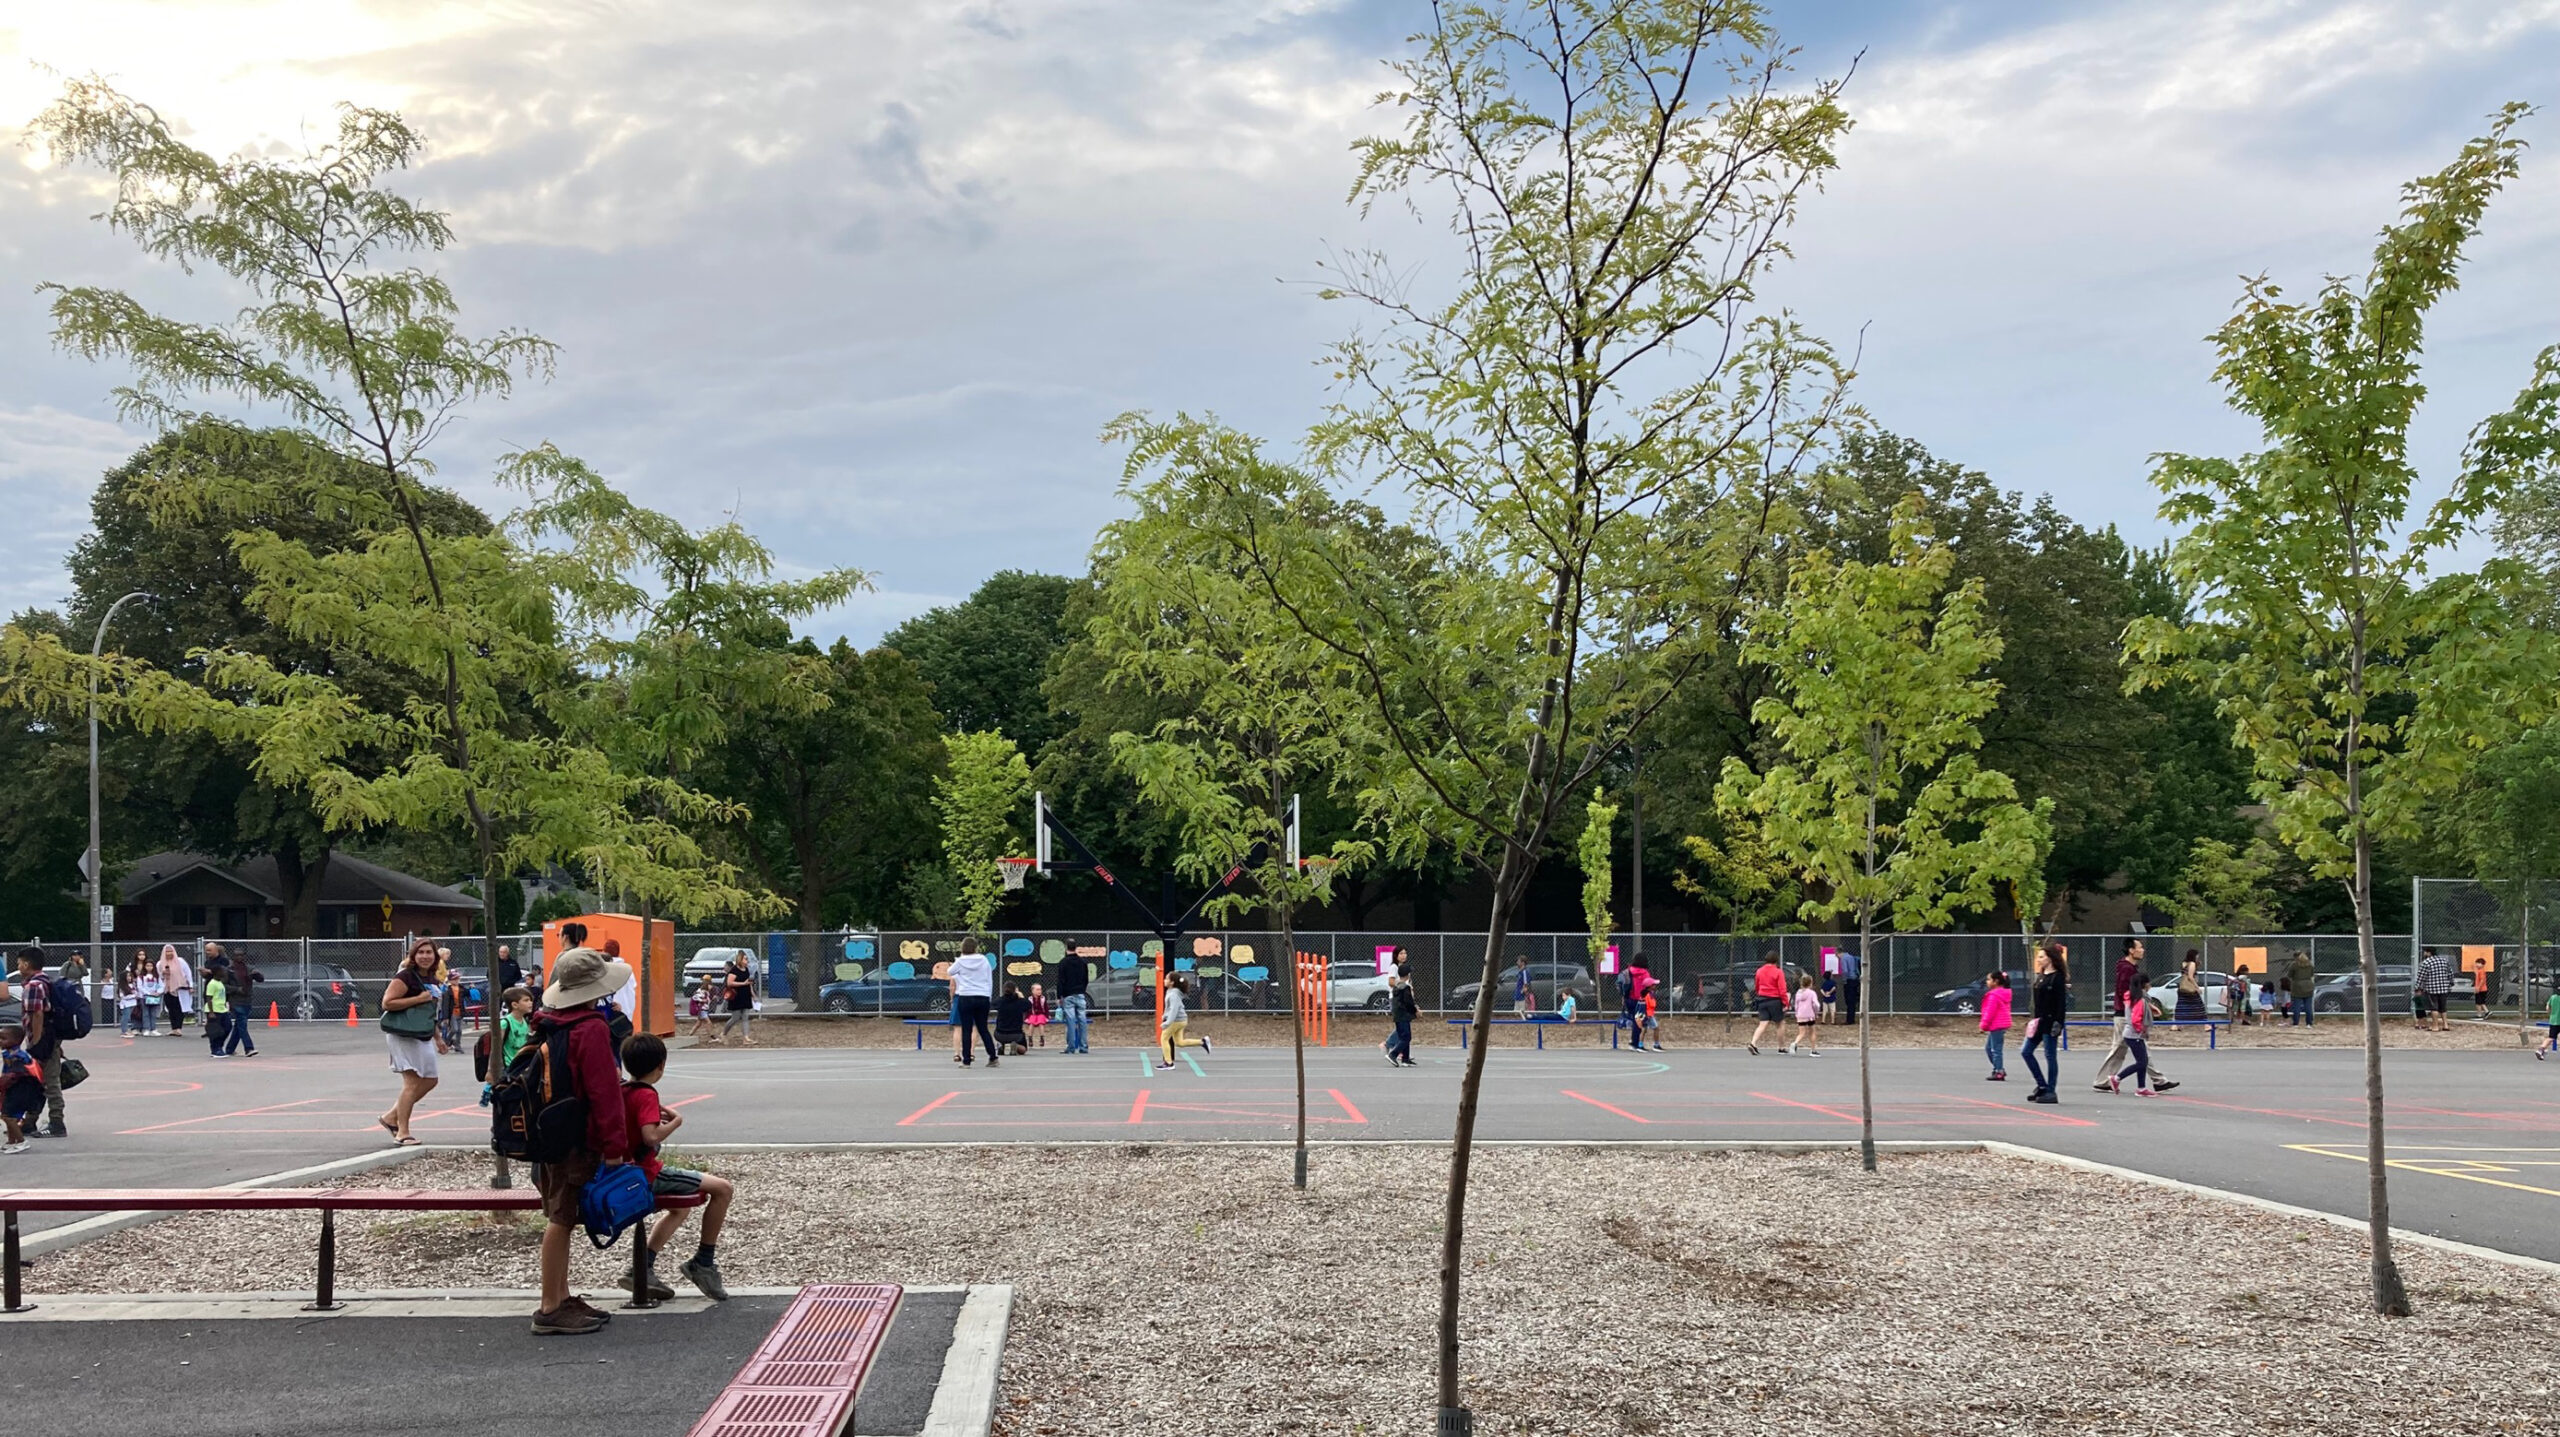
349, 880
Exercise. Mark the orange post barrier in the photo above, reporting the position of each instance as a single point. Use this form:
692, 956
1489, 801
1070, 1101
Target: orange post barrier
351, 1014
274, 1018
1315, 1008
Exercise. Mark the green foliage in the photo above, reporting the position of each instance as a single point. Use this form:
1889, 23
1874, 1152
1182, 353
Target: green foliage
986, 657
2225, 888
552, 907
365, 356
979, 795
1741, 880
1598, 839
1882, 802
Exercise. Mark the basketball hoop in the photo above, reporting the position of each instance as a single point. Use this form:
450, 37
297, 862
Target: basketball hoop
1319, 871
1015, 870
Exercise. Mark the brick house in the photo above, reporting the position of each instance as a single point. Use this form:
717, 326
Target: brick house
173, 897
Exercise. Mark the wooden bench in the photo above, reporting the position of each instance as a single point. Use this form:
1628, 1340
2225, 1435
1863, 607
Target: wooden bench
327, 1200
802, 1380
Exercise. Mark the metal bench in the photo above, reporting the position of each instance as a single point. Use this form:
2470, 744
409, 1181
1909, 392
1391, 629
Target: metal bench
1541, 1024
920, 1024
801, 1382
327, 1200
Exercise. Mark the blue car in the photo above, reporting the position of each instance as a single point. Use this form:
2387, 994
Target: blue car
875, 992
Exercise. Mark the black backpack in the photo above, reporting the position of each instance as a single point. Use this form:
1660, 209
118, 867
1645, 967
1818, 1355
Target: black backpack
536, 1114
67, 1012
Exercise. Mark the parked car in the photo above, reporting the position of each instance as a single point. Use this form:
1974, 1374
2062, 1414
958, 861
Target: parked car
1549, 982
1967, 998
2346, 991
2163, 995
708, 962
1356, 983
322, 992
876, 992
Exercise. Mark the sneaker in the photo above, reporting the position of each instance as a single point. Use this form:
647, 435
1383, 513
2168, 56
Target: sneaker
658, 1291
2116, 1086
2100, 1086
2144, 1093
580, 1304
1207, 1047
1166, 1067
706, 1276
1813, 1052
566, 1321
2044, 1097
2164, 1085
19, 1146
1752, 1048
1995, 1077
1409, 1063
1392, 1063
992, 1060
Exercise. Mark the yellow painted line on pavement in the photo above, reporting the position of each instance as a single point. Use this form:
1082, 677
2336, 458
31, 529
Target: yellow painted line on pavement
2467, 1169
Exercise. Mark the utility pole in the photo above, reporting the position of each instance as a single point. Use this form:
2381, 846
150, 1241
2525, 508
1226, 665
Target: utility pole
90, 868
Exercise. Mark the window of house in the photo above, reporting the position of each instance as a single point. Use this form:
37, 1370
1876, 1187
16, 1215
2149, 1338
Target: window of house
187, 916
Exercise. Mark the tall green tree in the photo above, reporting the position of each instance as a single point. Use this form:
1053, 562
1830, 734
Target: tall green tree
2357, 687
1592, 852
364, 358
980, 795
1594, 422
1259, 715
2225, 888
1881, 799
987, 655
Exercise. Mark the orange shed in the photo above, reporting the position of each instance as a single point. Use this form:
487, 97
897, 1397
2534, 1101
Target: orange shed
653, 1007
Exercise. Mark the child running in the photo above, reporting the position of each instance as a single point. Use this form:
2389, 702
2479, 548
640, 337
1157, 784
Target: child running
1808, 1017
1997, 1002
2137, 1041
644, 1057
1176, 1019
21, 1086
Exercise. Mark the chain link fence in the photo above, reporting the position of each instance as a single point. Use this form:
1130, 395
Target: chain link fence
1240, 971
2509, 931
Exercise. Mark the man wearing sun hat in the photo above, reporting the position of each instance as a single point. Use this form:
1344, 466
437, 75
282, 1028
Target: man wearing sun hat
579, 978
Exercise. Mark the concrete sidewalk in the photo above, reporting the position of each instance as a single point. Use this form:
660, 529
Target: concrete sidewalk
464, 1364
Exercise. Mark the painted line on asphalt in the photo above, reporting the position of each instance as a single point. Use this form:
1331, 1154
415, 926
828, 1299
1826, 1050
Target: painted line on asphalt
1604, 1107
1356, 1115
1808, 1107
909, 1119
2468, 1170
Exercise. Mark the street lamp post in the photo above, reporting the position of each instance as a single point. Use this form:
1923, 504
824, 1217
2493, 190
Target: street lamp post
89, 864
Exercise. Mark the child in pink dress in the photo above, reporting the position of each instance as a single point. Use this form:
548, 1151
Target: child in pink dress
1038, 1021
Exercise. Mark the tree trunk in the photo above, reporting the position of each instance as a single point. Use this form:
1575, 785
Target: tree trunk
1866, 994
1297, 1033
809, 960
1462, 1143
2390, 1295
300, 879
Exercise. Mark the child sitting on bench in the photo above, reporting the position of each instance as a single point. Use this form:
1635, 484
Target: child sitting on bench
644, 1057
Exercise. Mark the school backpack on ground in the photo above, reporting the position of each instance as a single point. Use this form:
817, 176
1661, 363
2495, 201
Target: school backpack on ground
535, 1113
67, 1012
615, 1200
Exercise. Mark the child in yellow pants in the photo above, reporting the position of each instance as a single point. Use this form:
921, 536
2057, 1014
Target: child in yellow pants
1177, 1018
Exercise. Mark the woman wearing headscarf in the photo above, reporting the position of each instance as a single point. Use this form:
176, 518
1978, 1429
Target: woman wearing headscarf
177, 987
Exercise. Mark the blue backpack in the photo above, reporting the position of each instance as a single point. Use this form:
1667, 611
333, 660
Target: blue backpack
616, 1199
67, 1012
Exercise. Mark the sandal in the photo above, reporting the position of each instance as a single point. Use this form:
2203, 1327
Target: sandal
387, 1126
406, 1143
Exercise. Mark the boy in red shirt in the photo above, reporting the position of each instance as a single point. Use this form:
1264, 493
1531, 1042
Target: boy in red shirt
644, 1057
21, 1086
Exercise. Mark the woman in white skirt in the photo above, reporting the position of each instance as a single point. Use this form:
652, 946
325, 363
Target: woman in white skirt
409, 1029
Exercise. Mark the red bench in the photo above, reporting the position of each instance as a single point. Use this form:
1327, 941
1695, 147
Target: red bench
801, 1382
327, 1200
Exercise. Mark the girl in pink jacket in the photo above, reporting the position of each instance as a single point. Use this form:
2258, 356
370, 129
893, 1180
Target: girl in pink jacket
1996, 1001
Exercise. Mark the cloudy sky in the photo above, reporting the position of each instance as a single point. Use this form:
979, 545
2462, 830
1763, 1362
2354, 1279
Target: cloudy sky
872, 275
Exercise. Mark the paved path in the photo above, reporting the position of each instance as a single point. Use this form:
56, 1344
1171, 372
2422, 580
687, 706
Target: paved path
2475, 1136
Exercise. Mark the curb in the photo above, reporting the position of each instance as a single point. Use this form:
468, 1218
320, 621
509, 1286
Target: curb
459, 1302
964, 1401
89, 1229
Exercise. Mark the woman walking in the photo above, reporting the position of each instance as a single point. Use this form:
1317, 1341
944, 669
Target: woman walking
2191, 988
1997, 1001
2049, 1007
409, 1031
739, 984
1402, 1003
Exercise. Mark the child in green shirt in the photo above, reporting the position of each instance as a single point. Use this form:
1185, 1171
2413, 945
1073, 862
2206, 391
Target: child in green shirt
217, 1011
2551, 1030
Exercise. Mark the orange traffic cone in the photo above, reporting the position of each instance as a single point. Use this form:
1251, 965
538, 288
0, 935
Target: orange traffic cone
351, 1015
274, 1019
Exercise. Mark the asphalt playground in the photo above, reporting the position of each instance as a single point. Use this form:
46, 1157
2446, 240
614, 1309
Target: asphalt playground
2474, 1135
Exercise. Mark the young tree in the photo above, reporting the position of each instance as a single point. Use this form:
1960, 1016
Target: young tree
2223, 889
369, 365
1882, 802
1596, 426
1259, 714
2356, 686
1600, 821
981, 789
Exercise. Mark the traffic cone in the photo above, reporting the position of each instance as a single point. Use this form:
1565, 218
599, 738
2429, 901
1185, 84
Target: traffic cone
351, 1015
274, 1018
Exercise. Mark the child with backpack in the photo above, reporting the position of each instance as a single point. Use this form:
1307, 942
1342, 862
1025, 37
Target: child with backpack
21, 1086
562, 1109
645, 1058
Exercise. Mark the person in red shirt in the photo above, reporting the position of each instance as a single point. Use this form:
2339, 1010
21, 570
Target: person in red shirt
644, 1057
1768, 999
579, 979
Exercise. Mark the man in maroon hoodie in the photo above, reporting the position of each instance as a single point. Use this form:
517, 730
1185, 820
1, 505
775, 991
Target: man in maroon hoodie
579, 978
